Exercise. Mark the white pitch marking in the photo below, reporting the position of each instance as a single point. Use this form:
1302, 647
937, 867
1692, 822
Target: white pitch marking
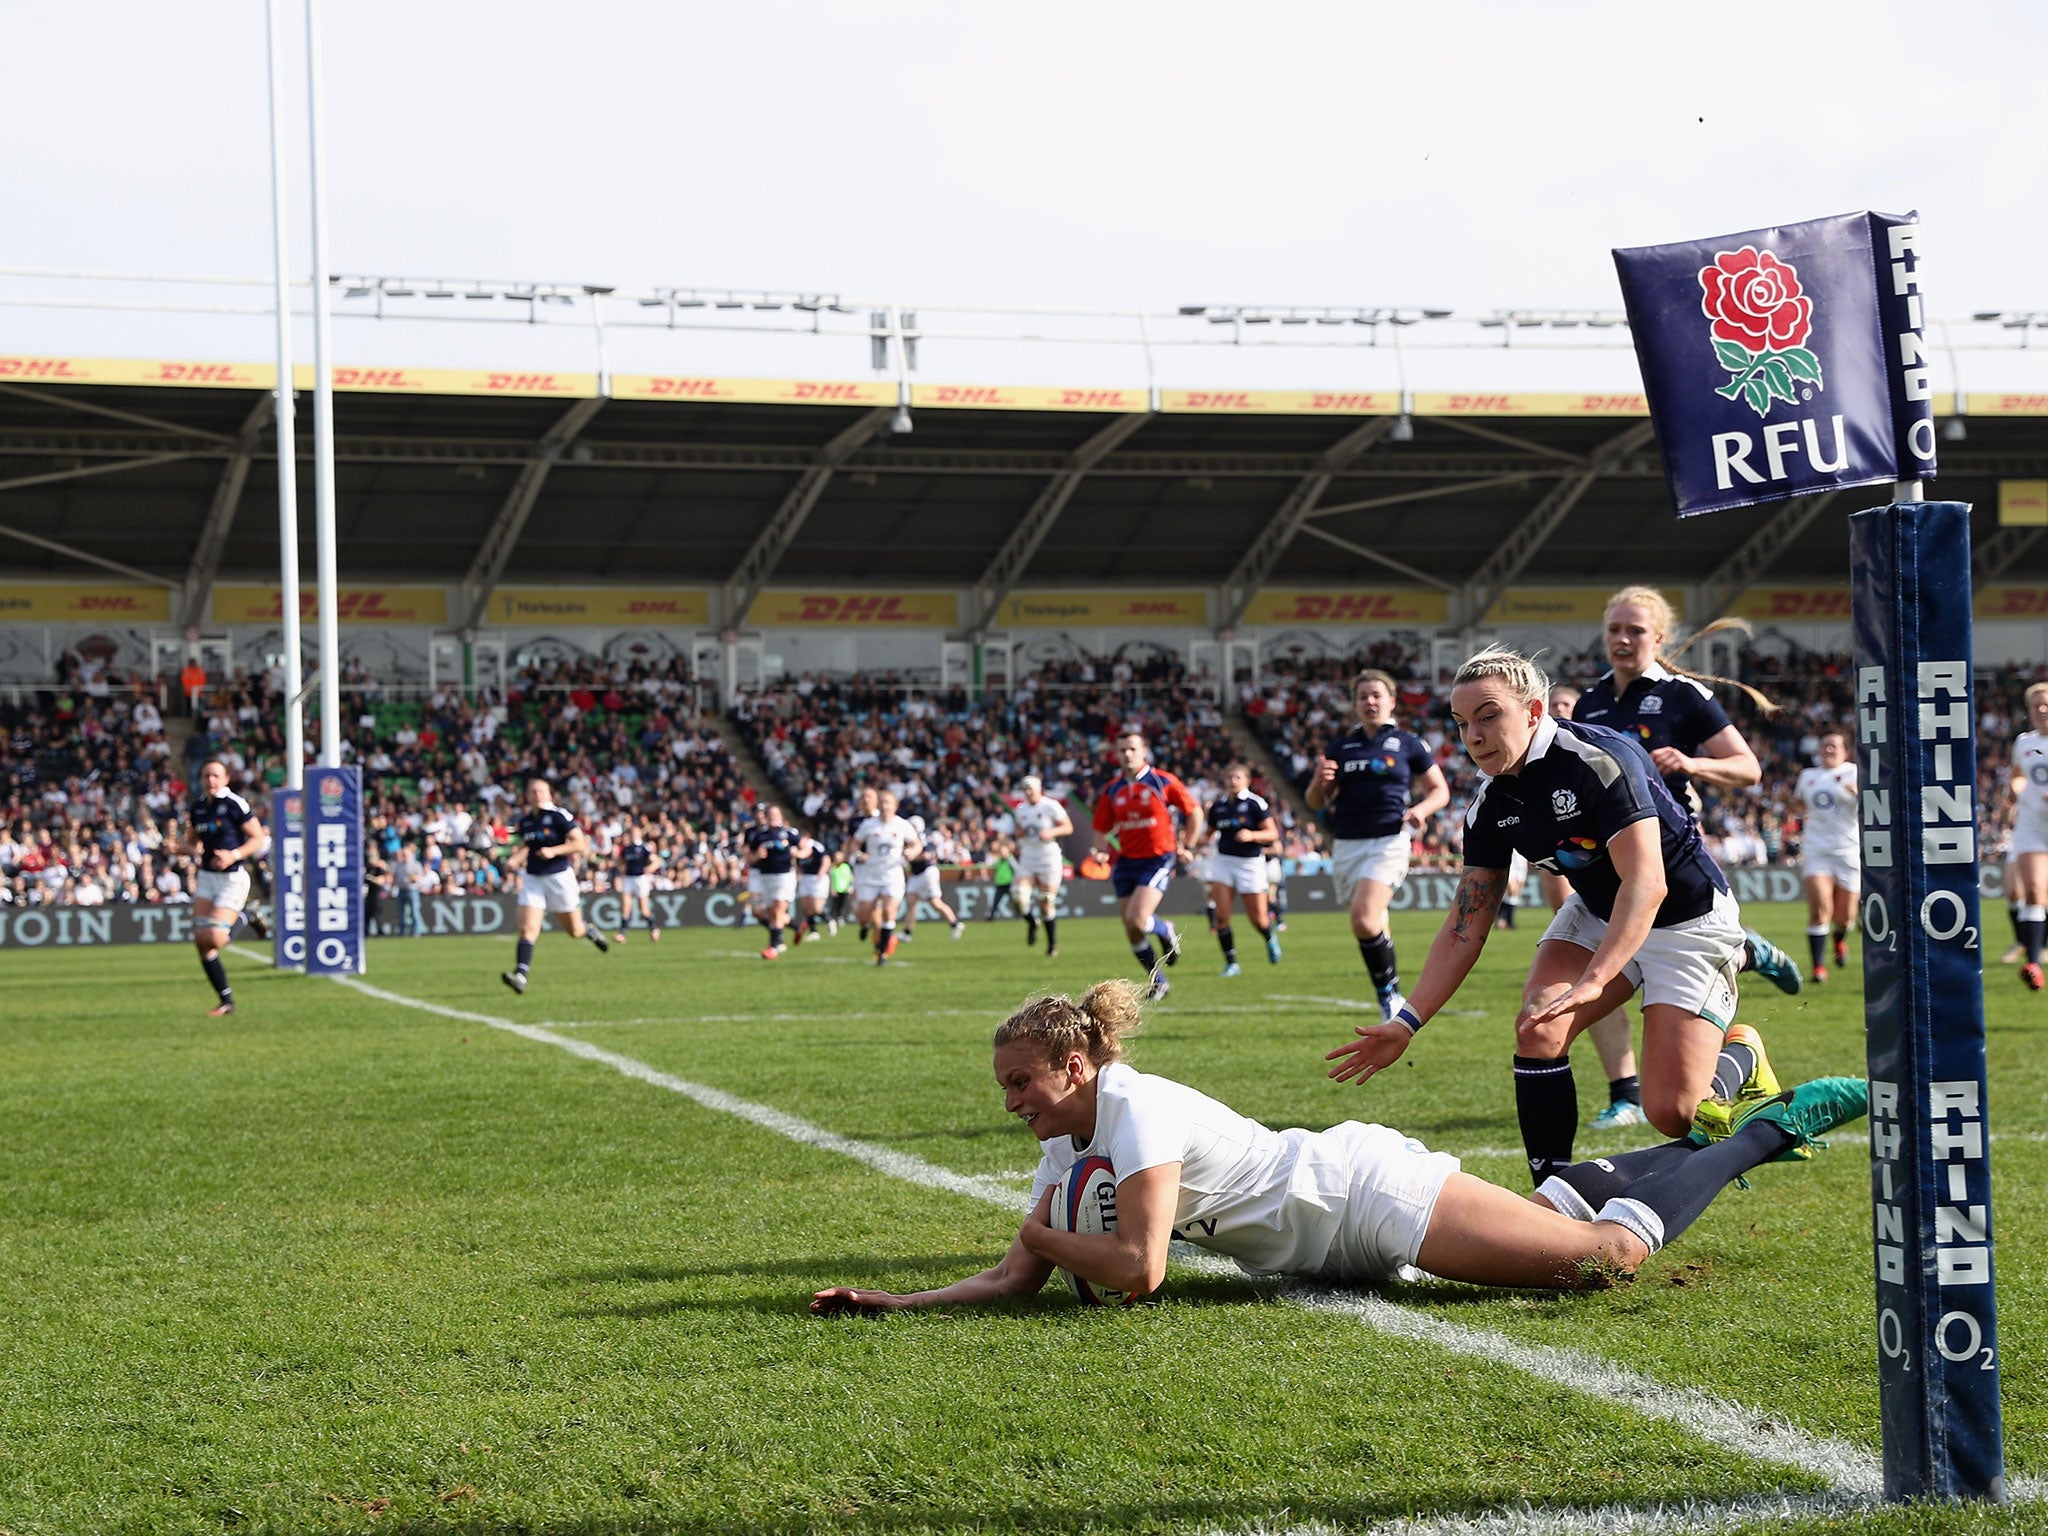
1723, 1423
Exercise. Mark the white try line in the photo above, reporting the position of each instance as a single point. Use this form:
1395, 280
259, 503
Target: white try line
1853, 1472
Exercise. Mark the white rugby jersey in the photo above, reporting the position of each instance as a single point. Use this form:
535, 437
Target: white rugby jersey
2030, 762
882, 839
1034, 819
1829, 795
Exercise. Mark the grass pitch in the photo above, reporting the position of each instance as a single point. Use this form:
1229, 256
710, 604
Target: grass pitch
341, 1264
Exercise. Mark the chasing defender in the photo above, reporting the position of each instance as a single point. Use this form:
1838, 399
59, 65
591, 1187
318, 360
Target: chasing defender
549, 839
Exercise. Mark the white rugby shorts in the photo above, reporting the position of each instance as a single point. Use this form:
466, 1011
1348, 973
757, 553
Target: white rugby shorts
1245, 873
1690, 965
1044, 871
227, 889
556, 892
2029, 834
1840, 865
1384, 859
768, 889
926, 885
1395, 1181
814, 887
873, 887
636, 885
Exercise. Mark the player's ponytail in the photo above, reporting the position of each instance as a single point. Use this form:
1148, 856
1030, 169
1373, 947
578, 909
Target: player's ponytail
1653, 603
1096, 1026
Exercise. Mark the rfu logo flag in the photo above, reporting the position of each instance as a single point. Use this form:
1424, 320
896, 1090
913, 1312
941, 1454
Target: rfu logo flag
1780, 362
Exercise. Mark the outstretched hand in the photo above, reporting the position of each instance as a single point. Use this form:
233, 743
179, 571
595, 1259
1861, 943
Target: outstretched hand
1556, 1001
1377, 1046
843, 1299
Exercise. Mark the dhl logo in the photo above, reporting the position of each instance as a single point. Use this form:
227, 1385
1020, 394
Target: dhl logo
1143, 610
374, 378
689, 389
2014, 603
817, 608
356, 606
40, 368
201, 373
847, 392
523, 384
1480, 404
2023, 405
1345, 403
967, 394
1210, 400
90, 602
1807, 605
654, 605
1104, 399
1613, 405
1315, 607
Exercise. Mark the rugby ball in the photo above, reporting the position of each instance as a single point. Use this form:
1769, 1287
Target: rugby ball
1085, 1201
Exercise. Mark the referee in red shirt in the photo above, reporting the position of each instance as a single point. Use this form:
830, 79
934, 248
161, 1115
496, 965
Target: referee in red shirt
1135, 818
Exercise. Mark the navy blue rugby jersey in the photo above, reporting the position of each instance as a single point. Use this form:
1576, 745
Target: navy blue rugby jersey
1231, 815
546, 829
1659, 709
1580, 785
217, 821
772, 850
1374, 772
635, 858
816, 861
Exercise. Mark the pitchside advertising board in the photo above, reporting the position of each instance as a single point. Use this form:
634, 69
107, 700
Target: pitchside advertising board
334, 872
1778, 363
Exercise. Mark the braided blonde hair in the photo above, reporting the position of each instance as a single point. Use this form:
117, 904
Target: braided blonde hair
1523, 678
1665, 622
1096, 1026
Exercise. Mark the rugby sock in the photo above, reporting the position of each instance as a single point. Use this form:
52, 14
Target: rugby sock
1507, 914
1547, 1104
218, 975
1817, 945
1737, 1062
1148, 960
863, 933
1265, 928
598, 939
775, 936
2033, 929
2012, 910
525, 956
1030, 928
1228, 940
1629, 1088
1841, 946
1591, 1184
885, 939
1666, 1200
1052, 935
1378, 953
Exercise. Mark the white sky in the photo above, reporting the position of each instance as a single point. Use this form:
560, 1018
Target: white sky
1469, 156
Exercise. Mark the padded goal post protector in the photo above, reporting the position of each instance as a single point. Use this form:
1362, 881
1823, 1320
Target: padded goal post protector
1923, 960
288, 878
335, 872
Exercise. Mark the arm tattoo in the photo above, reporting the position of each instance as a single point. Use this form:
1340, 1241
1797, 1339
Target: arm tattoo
1478, 898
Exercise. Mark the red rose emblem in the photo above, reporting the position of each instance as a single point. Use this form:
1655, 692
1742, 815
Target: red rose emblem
1754, 300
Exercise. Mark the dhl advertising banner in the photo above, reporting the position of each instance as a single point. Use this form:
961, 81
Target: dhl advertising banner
2012, 601
1108, 610
600, 606
258, 376
1561, 605
357, 605
1763, 604
1530, 405
455, 381
682, 386
1779, 362
792, 609
89, 602
998, 397
2023, 503
1281, 402
1351, 605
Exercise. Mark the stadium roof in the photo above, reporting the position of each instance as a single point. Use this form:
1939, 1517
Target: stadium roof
472, 479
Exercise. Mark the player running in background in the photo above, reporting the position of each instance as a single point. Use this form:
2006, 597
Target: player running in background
883, 844
1830, 863
1649, 909
1135, 816
637, 863
2027, 858
1364, 780
1244, 827
813, 891
921, 883
225, 834
1040, 865
772, 849
548, 840
1354, 1203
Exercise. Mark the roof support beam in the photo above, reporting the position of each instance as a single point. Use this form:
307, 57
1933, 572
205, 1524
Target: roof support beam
94, 408
1010, 562
503, 535
220, 517
773, 542
1388, 561
1997, 554
87, 556
1534, 531
1457, 488
1259, 562
1759, 552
